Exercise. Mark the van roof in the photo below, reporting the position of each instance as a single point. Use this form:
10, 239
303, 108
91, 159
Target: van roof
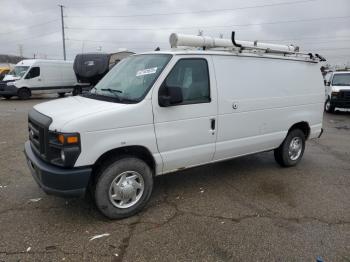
30, 62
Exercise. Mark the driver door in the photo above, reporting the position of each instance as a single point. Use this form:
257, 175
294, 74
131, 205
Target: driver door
186, 131
33, 78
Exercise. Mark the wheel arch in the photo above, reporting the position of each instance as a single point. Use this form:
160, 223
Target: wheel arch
303, 126
140, 152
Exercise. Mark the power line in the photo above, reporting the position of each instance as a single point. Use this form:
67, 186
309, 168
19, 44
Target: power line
307, 38
34, 37
215, 26
198, 12
30, 26
331, 49
156, 42
87, 3
115, 42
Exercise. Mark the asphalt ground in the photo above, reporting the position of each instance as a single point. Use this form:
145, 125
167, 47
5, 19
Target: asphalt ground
245, 209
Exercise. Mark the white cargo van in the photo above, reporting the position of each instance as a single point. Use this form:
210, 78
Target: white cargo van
337, 91
160, 112
39, 76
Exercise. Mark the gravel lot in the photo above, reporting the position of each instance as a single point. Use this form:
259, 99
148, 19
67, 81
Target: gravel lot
246, 209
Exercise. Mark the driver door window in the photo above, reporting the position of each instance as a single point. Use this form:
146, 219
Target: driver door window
192, 76
33, 72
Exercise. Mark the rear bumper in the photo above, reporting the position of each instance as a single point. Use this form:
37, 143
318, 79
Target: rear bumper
8, 90
55, 180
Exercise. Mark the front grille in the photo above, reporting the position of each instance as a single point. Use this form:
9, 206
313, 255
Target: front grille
36, 135
345, 94
2, 85
38, 127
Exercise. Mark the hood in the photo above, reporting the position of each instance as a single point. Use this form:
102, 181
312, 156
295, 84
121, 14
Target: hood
338, 88
68, 109
10, 78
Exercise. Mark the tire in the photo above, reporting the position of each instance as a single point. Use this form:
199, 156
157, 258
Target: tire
24, 93
131, 195
77, 90
286, 155
7, 96
61, 94
328, 107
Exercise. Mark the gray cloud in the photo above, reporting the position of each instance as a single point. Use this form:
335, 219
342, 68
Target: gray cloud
24, 22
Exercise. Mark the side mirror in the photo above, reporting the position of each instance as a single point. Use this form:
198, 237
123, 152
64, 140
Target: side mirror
170, 95
327, 83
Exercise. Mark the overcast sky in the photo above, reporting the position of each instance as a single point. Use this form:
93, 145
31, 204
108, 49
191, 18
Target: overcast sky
320, 26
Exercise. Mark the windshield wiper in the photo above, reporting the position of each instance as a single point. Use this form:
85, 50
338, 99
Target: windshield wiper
112, 90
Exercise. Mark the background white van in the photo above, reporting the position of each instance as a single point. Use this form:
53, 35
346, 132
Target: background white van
337, 91
40, 76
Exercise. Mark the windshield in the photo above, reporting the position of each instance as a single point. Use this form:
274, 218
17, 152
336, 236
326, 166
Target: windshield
131, 79
341, 80
19, 71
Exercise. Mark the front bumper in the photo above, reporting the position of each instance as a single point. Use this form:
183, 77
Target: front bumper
8, 90
54, 180
341, 103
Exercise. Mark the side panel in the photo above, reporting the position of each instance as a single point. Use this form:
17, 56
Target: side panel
68, 77
260, 99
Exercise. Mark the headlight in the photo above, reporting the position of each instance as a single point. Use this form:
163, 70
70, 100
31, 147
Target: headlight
335, 94
12, 83
64, 148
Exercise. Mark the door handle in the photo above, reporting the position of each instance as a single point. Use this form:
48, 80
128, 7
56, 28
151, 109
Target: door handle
212, 125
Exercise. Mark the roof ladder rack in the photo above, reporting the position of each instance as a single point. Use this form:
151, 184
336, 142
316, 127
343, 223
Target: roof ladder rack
207, 43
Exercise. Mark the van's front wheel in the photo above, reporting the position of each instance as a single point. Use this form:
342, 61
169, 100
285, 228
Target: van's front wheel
290, 152
24, 93
123, 188
328, 107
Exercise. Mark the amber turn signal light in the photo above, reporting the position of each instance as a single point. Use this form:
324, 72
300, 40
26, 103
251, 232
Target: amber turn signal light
72, 140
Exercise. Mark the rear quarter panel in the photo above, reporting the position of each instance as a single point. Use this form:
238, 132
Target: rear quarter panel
271, 95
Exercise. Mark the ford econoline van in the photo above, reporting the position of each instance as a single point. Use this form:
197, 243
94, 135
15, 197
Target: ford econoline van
164, 111
36, 76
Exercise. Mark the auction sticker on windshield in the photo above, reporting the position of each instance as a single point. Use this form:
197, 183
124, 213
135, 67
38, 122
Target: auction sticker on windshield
147, 71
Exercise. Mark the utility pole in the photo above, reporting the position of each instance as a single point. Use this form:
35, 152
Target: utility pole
20, 49
63, 37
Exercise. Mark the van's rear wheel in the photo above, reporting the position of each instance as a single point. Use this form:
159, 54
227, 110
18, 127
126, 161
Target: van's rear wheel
291, 150
123, 188
328, 107
24, 93
62, 94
